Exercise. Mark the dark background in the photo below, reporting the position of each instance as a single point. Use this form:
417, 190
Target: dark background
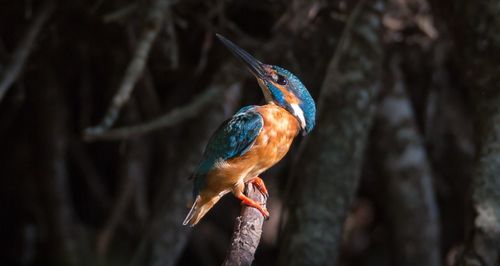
403, 167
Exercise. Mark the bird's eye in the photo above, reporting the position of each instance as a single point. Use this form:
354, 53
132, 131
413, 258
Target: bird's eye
281, 80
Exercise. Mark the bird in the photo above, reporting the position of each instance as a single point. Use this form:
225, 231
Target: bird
252, 140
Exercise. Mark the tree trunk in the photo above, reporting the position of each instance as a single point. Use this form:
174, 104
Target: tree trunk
409, 194
474, 25
328, 170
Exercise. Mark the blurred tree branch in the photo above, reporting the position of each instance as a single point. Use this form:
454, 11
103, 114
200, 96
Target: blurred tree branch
247, 231
23, 51
152, 25
169, 119
327, 172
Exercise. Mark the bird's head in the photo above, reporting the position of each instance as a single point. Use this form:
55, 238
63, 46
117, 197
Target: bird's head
279, 86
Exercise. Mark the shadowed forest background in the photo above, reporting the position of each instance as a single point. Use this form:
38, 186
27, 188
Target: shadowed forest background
106, 106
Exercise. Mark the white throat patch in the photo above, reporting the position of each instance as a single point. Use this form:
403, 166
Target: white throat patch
300, 115
265, 91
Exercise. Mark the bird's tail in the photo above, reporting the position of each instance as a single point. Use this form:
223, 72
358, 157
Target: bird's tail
200, 207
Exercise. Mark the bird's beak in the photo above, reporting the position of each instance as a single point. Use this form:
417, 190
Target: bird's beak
254, 65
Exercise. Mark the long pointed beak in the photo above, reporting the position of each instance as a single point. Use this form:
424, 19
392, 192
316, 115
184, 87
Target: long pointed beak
254, 65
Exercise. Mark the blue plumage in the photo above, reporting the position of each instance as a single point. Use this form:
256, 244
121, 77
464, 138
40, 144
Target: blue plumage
307, 103
299, 90
233, 138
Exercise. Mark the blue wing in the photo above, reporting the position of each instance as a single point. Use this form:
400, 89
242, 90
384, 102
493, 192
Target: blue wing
233, 138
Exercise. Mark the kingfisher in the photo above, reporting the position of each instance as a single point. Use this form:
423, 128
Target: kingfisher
253, 140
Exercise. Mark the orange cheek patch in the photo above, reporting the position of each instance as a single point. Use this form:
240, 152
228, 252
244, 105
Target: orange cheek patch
289, 97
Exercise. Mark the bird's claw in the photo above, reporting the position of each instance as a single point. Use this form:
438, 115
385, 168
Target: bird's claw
266, 215
261, 208
250, 202
259, 184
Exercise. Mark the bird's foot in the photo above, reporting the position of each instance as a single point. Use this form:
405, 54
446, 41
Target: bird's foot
259, 184
252, 203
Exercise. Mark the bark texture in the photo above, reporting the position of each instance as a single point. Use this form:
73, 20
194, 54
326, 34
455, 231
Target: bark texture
483, 246
409, 194
475, 26
328, 170
247, 231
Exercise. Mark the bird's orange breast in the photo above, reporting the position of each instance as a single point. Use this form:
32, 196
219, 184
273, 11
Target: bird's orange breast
270, 146
273, 142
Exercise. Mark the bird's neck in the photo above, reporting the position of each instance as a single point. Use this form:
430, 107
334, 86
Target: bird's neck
299, 115
277, 115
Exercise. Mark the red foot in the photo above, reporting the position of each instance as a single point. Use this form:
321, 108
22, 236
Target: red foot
250, 202
259, 184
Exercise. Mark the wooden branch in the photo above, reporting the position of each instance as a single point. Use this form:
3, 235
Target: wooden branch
172, 118
152, 26
247, 231
171, 46
24, 49
120, 13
